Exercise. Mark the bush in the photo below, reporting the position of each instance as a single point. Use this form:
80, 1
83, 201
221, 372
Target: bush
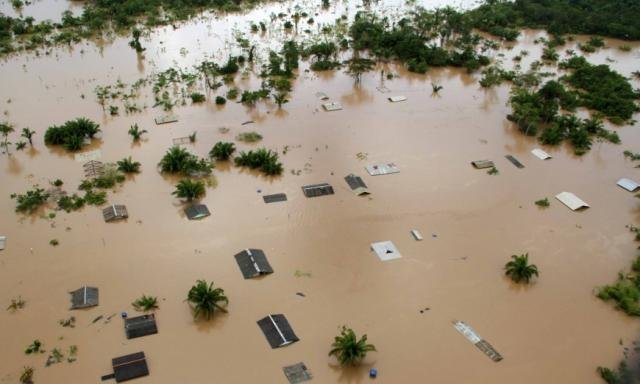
232, 93
222, 151
220, 100
31, 200
263, 159
198, 97
95, 198
249, 137
178, 160
71, 134
71, 203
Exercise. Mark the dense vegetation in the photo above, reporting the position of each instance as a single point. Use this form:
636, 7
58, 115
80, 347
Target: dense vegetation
179, 160
625, 292
71, 135
615, 18
263, 159
204, 299
31, 200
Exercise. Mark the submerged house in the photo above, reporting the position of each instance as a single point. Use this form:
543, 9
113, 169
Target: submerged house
277, 330
197, 212
115, 212
253, 263
84, 297
315, 190
128, 367
140, 326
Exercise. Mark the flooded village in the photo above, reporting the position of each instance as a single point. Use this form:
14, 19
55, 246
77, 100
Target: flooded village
231, 109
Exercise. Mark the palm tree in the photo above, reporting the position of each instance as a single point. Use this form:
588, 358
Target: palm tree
127, 165
436, 88
204, 299
348, 349
5, 130
280, 98
519, 269
28, 134
222, 151
189, 189
145, 303
136, 133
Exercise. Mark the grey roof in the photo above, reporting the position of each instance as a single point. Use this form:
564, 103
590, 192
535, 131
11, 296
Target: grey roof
115, 212
197, 211
514, 161
253, 263
277, 330
356, 184
84, 297
166, 119
275, 198
315, 190
140, 326
130, 367
297, 373
479, 164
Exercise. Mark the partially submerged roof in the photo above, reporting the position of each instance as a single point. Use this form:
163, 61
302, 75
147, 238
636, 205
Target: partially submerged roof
115, 212
140, 326
297, 373
181, 140
275, 198
572, 201
197, 211
128, 367
332, 106
3, 242
628, 184
277, 330
315, 190
514, 161
382, 169
322, 96
253, 263
356, 184
540, 154
93, 168
480, 164
83, 157
84, 297
396, 99
416, 234
386, 250
476, 340
164, 119
383, 89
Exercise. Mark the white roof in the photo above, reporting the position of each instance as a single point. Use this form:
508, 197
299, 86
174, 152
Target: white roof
467, 332
572, 201
628, 184
540, 154
386, 250
416, 234
3, 241
322, 96
395, 99
332, 106
84, 157
382, 169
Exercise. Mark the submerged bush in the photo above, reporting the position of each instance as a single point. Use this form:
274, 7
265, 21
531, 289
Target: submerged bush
71, 135
31, 200
179, 160
263, 159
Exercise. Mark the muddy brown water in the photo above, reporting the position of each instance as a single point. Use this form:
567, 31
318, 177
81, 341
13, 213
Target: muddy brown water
554, 331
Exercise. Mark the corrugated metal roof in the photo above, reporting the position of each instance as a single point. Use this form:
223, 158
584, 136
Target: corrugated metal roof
514, 161
275, 198
332, 106
253, 263
165, 119
382, 169
84, 157
396, 99
315, 190
628, 184
277, 330
540, 154
140, 326
115, 212
356, 184
130, 367
386, 250
480, 164
476, 340
297, 373
572, 201
84, 297
197, 211
416, 234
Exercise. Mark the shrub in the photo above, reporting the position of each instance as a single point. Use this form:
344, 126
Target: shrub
198, 97
249, 137
71, 134
71, 203
178, 160
222, 151
220, 100
543, 203
127, 165
31, 200
263, 159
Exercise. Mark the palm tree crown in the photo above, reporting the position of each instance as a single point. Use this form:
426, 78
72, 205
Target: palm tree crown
348, 349
519, 269
189, 189
204, 299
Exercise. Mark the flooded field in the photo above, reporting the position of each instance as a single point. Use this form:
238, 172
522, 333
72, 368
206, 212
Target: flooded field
552, 331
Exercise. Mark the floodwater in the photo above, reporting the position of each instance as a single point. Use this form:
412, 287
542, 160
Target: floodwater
553, 331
